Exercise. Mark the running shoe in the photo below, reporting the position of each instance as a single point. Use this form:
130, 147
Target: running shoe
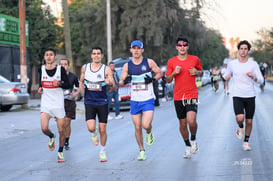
51, 143
246, 146
66, 146
141, 156
149, 138
60, 157
103, 157
187, 153
194, 147
119, 117
95, 139
240, 133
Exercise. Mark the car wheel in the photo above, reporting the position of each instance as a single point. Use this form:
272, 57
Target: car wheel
6, 108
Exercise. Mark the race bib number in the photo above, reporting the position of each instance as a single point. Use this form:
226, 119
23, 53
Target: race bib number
139, 86
94, 86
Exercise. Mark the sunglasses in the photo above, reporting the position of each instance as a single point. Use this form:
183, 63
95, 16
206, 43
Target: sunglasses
182, 44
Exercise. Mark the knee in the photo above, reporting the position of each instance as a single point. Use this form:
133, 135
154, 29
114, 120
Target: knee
102, 130
61, 130
91, 129
240, 118
249, 121
44, 130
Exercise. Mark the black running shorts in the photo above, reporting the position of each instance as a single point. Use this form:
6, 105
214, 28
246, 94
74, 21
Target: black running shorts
244, 106
70, 109
92, 111
182, 107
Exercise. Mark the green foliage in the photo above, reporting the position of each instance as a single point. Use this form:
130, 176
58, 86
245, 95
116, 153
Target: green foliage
42, 31
263, 47
156, 22
87, 22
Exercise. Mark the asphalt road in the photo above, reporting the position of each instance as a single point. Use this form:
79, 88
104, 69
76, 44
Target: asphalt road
24, 154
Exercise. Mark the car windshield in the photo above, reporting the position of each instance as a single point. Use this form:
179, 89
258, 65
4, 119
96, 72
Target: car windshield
119, 62
3, 80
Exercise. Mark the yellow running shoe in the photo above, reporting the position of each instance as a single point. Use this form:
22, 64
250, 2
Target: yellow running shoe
51, 143
141, 156
60, 157
149, 138
95, 139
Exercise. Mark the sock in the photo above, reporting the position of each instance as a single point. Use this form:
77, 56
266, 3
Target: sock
102, 148
67, 140
241, 125
51, 135
246, 138
187, 142
193, 137
61, 149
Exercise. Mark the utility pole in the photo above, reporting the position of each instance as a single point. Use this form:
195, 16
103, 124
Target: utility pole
109, 34
67, 37
23, 60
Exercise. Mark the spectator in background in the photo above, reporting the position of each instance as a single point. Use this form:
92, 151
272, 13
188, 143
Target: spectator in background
262, 68
69, 101
113, 94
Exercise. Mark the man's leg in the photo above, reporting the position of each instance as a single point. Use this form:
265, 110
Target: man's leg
117, 111
183, 129
45, 117
67, 122
103, 134
138, 130
60, 124
248, 127
191, 118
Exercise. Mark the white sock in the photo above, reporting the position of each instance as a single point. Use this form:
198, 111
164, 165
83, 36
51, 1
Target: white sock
102, 148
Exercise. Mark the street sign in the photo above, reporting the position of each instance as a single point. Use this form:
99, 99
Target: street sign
10, 30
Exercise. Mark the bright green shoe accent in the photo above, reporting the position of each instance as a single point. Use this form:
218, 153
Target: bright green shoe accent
60, 157
51, 143
95, 139
141, 155
149, 138
103, 157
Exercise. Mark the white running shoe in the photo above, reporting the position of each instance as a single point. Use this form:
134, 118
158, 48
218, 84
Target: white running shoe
246, 146
119, 117
194, 147
187, 153
240, 133
109, 118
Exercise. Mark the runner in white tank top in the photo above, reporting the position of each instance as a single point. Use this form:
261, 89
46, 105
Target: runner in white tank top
53, 80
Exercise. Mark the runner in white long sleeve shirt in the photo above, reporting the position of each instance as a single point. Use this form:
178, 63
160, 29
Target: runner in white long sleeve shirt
245, 73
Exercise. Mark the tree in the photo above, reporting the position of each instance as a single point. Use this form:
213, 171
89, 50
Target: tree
42, 31
156, 22
263, 46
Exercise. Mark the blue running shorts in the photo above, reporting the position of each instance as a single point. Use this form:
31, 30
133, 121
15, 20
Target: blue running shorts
139, 107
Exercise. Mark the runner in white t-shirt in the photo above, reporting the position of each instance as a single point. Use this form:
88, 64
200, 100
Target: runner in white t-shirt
245, 73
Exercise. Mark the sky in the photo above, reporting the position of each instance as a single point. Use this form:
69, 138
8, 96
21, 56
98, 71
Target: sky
239, 18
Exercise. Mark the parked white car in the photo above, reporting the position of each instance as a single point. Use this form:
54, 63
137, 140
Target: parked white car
12, 93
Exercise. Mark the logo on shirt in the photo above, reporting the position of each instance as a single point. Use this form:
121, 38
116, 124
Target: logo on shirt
143, 68
99, 76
